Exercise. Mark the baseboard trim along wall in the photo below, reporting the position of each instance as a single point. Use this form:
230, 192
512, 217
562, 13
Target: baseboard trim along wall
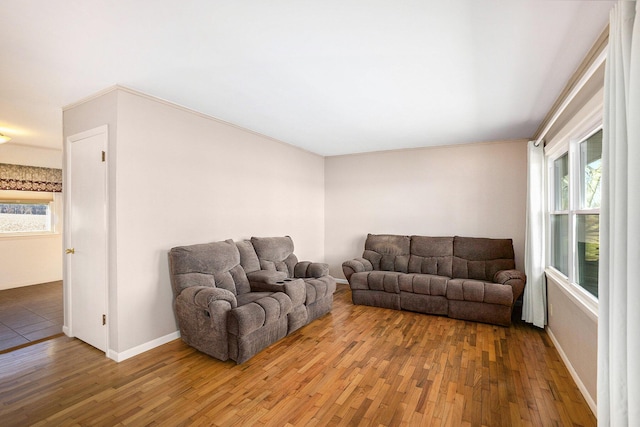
343, 281
590, 401
119, 357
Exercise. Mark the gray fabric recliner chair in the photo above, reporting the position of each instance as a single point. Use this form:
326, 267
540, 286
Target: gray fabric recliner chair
217, 311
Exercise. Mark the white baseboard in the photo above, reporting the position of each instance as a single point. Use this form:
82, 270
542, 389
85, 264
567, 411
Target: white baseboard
66, 330
590, 401
343, 281
119, 357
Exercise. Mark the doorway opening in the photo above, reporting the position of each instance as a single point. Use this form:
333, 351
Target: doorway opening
30, 314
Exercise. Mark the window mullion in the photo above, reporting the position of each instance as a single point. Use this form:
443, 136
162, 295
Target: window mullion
573, 203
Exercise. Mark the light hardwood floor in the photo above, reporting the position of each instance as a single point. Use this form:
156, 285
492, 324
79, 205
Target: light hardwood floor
356, 366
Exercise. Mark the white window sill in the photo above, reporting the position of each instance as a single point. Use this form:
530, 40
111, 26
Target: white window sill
583, 299
9, 236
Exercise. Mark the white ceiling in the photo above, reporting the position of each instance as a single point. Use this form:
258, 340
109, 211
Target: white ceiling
330, 76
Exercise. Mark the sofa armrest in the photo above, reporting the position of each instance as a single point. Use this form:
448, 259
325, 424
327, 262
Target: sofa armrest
266, 276
356, 265
310, 270
203, 296
514, 278
293, 288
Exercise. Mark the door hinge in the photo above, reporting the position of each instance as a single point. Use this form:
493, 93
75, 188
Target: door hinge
104, 156
104, 319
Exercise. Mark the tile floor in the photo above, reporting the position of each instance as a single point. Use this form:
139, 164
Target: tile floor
30, 313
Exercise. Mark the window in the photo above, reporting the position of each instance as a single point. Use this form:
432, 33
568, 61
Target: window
588, 213
31, 212
576, 178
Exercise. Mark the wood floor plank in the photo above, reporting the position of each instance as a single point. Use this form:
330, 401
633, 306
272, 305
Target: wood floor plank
358, 365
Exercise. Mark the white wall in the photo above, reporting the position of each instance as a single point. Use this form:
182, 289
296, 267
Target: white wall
574, 331
31, 260
184, 178
30, 156
476, 190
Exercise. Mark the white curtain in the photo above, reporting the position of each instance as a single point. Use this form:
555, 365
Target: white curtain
534, 301
619, 278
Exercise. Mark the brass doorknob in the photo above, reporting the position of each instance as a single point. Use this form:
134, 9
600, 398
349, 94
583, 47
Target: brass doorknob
70, 251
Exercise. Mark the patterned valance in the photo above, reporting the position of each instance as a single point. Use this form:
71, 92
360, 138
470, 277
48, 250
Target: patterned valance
30, 178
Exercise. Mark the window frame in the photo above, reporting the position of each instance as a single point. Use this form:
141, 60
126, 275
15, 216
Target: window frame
34, 197
553, 211
570, 146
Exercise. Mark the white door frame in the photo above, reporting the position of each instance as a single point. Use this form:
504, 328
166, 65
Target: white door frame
67, 327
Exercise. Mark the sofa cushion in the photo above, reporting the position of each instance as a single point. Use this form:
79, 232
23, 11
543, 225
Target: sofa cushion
220, 259
305, 269
425, 284
275, 253
388, 252
431, 255
234, 280
254, 315
273, 248
248, 257
319, 288
251, 297
478, 291
387, 281
481, 258
211, 257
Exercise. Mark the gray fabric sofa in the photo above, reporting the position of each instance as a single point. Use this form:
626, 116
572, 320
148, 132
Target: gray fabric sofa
460, 277
232, 301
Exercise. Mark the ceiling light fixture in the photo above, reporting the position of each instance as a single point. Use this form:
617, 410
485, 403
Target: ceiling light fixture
4, 138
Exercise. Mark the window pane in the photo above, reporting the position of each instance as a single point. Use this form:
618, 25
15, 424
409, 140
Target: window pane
24, 217
561, 182
560, 243
591, 171
588, 251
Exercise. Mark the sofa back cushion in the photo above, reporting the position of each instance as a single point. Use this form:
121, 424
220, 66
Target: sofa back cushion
216, 264
248, 257
480, 258
388, 252
431, 255
275, 253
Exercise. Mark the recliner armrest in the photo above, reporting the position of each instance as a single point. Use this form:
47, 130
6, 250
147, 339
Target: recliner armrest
356, 265
310, 270
266, 276
203, 296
